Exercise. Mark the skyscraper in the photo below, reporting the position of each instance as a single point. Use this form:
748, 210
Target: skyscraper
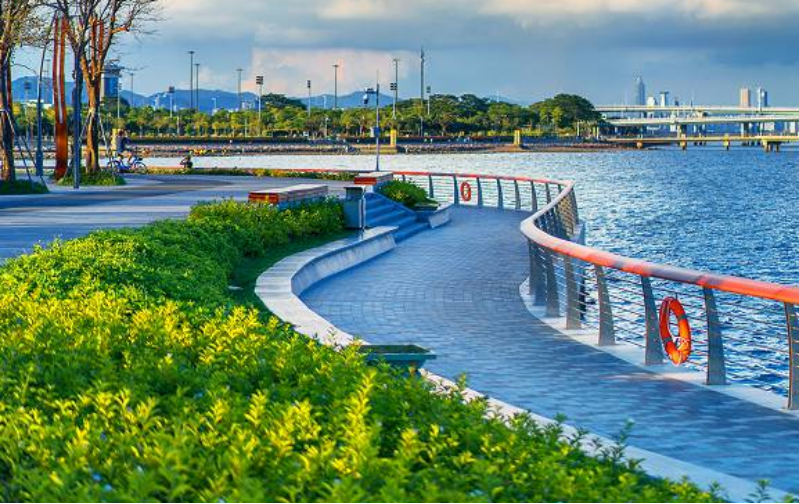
640, 92
746, 98
762, 98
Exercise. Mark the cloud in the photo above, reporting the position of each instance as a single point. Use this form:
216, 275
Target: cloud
287, 71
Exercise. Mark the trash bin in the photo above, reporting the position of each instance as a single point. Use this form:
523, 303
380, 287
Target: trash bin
355, 207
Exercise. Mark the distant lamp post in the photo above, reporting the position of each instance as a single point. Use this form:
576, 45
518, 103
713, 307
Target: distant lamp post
429, 97
259, 81
395, 86
335, 86
309, 99
367, 95
171, 101
240, 70
197, 85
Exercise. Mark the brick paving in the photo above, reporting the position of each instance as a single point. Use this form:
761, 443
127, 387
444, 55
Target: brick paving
456, 291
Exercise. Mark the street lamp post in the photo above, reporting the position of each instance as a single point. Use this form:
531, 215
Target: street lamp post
197, 85
429, 97
376, 92
335, 86
191, 80
309, 99
395, 86
171, 101
240, 70
259, 80
421, 102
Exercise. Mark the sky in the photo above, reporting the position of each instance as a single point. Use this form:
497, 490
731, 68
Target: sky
704, 50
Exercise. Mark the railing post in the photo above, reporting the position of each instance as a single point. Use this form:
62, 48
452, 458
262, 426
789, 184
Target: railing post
518, 195
534, 198
575, 208
793, 352
479, 192
538, 287
553, 298
573, 312
432, 187
500, 195
716, 365
607, 332
654, 345
549, 194
457, 190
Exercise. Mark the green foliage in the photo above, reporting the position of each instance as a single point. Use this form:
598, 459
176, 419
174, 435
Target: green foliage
18, 187
130, 374
105, 178
565, 110
257, 172
405, 193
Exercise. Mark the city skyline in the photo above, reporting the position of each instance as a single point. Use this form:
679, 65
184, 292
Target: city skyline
520, 49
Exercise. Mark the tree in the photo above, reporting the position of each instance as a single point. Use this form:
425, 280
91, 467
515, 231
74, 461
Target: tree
92, 28
17, 25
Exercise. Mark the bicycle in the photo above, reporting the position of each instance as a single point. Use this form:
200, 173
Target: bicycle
134, 165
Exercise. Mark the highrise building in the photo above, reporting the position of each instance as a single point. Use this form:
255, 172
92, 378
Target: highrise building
664, 98
762, 98
746, 98
640, 92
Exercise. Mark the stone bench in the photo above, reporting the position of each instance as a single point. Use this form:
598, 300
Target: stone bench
374, 179
290, 196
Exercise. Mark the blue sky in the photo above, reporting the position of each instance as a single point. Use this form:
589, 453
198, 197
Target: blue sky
522, 49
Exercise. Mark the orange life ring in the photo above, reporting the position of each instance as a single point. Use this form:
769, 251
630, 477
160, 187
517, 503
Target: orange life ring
466, 192
678, 351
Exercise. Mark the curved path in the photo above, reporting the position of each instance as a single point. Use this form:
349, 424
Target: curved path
456, 291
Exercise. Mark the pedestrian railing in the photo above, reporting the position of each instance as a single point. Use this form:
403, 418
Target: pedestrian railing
743, 329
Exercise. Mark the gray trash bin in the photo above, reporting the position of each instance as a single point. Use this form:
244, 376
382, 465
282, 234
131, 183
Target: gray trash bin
355, 207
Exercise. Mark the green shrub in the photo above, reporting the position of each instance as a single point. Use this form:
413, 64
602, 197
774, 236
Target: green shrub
257, 172
19, 187
130, 374
405, 193
105, 178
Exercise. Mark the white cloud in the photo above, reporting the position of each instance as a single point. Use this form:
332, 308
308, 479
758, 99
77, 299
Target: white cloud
287, 71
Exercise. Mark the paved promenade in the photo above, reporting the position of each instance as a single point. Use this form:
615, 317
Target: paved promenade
456, 291
29, 220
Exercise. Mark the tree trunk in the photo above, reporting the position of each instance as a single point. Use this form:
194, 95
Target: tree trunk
93, 127
9, 173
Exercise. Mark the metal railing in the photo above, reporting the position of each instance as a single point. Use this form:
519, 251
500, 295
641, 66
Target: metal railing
743, 329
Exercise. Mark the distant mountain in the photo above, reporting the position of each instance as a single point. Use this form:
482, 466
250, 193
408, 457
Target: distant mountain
208, 99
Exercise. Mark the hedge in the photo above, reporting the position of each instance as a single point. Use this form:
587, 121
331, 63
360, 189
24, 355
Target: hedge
129, 373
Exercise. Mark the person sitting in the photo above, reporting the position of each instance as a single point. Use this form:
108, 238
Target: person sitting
186, 162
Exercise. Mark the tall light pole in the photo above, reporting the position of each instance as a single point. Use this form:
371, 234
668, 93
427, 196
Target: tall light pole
132, 75
171, 101
376, 92
259, 80
395, 86
240, 70
335, 86
191, 80
197, 85
421, 99
429, 97
309, 99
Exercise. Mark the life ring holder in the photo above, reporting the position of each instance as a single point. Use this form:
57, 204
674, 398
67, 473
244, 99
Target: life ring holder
679, 348
466, 192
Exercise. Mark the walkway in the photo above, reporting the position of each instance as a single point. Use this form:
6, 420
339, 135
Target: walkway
456, 290
29, 220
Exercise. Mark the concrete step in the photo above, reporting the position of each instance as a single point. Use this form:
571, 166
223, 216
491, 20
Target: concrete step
406, 232
396, 218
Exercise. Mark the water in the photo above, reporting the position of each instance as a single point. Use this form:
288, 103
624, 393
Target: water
730, 212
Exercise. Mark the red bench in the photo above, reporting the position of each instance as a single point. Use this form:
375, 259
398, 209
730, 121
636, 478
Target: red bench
290, 196
374, 179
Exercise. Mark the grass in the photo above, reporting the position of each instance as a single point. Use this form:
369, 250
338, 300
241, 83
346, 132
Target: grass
102, 178
20, 187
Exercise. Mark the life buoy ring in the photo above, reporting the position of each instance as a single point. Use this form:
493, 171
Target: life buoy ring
678, 350
466, 192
